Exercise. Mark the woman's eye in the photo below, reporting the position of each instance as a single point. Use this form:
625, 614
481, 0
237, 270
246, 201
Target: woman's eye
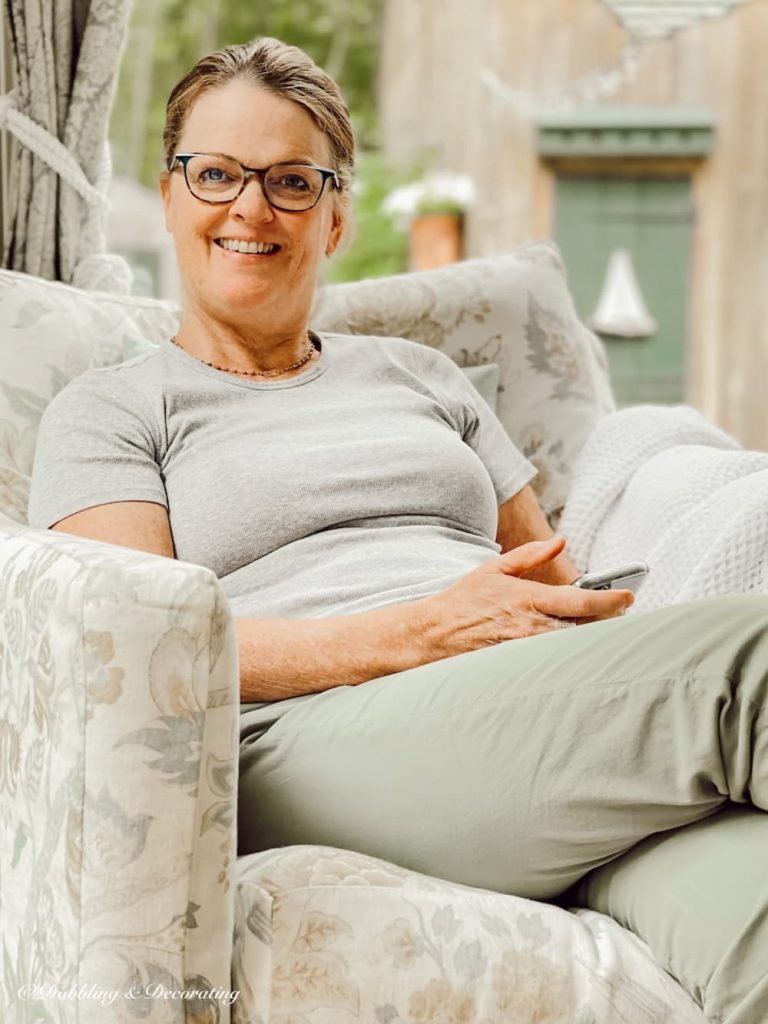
293, 181
213, 175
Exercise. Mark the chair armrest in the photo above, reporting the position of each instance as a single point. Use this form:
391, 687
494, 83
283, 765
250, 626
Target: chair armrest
119, 709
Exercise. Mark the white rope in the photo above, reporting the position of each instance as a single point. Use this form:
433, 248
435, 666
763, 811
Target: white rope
95, 268
50, 150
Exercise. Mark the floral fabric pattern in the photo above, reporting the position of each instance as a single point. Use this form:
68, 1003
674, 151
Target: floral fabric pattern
51, 333
118, 747
352, 938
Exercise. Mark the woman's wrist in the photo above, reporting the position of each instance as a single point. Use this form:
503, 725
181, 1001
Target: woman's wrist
430, 621
286, 657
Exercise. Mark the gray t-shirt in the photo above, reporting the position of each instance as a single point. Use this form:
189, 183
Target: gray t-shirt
374, 477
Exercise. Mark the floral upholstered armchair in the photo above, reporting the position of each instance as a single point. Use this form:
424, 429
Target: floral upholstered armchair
121, 895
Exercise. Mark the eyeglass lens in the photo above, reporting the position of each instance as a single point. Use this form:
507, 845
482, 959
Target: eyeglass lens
219, 179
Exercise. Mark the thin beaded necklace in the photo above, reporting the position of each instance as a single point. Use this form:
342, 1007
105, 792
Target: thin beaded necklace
314, 346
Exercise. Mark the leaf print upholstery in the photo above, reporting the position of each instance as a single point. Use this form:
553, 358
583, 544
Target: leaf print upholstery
52, 333
106, 781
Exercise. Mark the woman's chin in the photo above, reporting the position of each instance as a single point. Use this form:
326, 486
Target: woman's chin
245, 298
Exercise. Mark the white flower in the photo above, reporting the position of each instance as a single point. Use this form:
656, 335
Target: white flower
404, 201
449, 188
437, 190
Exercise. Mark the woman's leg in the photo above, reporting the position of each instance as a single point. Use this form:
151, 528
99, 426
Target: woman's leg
524, 766
699, 897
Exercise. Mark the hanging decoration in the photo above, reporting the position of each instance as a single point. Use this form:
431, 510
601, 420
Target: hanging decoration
622, 311
645, 22
581, 92
657, 19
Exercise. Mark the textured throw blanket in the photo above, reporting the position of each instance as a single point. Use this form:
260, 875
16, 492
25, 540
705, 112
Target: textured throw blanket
663, 485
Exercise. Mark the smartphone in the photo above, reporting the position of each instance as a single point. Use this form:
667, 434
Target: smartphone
623, 577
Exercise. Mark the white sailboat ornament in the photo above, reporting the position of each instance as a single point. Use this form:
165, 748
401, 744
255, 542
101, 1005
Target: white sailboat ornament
621, 310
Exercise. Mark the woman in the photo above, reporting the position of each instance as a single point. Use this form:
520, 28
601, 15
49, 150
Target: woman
406, 689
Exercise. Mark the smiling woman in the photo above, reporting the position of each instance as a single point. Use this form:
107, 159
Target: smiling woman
238, 230
406, 688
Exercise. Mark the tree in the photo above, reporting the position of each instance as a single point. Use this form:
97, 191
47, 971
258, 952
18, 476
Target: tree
166, 37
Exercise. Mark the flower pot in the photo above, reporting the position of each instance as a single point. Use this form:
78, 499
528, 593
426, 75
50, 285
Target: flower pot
435, 239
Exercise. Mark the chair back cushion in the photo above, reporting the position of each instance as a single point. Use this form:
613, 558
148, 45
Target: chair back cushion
50, 333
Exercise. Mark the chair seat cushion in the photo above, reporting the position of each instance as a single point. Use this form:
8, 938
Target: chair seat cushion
325, 936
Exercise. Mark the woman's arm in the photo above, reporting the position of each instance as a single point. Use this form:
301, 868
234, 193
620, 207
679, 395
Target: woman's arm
279, 657
276, 655
282, 658
521, 520
143, 525
286, 657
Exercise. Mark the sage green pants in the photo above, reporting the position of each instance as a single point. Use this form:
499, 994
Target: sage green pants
532, 767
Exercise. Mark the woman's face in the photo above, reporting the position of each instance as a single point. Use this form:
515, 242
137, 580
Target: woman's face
259, 129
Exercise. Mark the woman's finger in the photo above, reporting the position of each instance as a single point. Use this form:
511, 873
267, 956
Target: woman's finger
574, 603
527, 557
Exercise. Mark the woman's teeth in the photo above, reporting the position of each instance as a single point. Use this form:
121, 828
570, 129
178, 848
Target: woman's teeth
248, 247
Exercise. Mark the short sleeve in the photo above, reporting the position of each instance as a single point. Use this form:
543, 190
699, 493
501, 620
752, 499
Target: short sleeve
478, 425
96, 444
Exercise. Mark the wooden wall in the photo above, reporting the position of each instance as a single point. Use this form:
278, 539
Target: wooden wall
432, 95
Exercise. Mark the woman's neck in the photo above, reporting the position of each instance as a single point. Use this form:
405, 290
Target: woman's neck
246, 347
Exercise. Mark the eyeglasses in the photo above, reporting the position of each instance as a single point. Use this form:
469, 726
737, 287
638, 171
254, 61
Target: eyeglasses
216, 178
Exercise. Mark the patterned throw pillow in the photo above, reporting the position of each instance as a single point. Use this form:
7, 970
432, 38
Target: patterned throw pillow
52, 332
513, 309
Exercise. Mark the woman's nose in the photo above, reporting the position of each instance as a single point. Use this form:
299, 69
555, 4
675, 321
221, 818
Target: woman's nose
252, 204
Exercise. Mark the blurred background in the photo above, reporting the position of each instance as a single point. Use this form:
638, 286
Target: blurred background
633, 132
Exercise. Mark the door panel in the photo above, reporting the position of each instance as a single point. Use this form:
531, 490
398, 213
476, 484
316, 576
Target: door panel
651, 217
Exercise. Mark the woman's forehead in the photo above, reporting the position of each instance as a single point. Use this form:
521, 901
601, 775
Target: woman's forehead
253, 124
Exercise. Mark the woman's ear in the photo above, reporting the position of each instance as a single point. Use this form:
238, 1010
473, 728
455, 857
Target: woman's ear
165, 195
335, 234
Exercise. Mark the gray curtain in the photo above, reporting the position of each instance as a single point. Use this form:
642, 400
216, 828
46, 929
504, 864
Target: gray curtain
66, 56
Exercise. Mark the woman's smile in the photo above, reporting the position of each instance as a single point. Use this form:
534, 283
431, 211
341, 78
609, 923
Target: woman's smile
246, 251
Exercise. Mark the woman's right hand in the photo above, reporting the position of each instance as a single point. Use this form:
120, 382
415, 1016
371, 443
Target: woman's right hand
495, 602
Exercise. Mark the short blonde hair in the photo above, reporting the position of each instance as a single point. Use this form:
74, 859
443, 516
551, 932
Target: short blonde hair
285, 71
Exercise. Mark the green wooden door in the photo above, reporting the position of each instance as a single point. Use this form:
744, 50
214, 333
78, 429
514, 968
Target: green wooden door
652, 218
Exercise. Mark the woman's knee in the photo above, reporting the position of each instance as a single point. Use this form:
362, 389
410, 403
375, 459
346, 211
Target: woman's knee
699, 897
